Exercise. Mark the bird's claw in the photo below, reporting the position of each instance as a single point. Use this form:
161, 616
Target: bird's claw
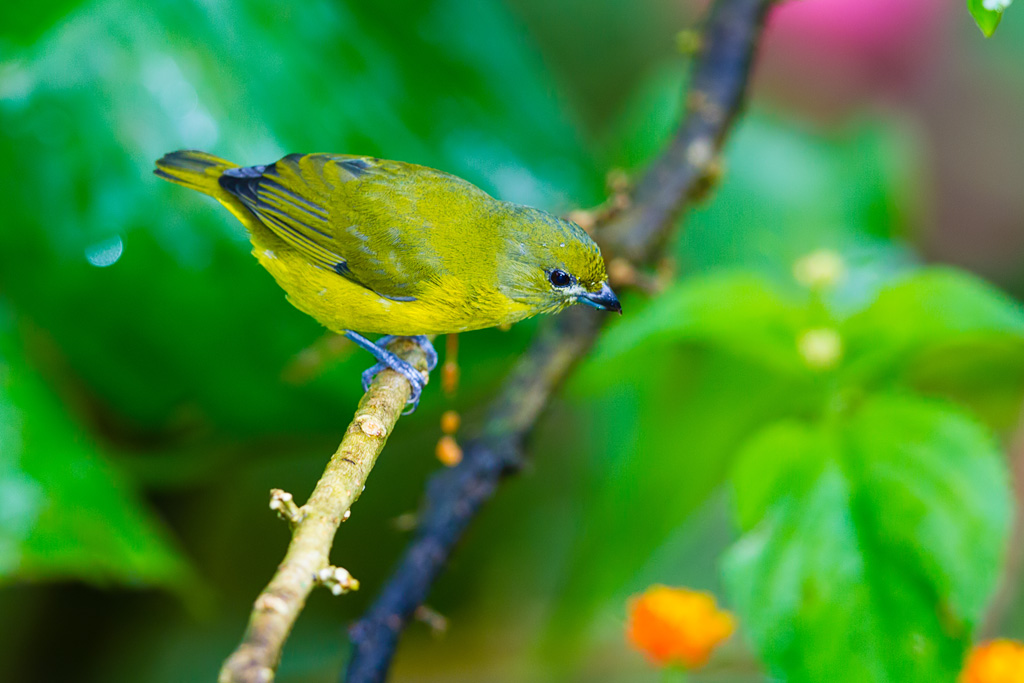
388, 360
422, 340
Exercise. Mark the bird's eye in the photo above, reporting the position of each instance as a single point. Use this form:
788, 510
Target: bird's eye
560, 278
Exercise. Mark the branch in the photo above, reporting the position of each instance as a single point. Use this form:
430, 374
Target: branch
314, 524
453, 498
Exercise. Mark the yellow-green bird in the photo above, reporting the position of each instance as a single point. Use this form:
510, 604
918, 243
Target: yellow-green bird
369, 245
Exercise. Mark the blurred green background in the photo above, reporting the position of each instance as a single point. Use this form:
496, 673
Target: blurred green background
852, 498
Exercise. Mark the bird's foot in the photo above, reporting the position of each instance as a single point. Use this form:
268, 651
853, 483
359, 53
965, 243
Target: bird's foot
387, 360
422, 340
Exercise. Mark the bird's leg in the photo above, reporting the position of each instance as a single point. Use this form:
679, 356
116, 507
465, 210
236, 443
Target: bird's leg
386, 359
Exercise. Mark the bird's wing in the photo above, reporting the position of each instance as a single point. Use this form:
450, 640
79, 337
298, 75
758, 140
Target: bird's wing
338, 212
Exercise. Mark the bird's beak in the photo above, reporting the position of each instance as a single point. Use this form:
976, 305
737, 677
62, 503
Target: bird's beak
604, 299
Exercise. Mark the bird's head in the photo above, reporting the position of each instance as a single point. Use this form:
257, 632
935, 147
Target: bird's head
551, 263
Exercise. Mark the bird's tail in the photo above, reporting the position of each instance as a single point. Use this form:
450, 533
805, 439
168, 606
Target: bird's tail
195, 170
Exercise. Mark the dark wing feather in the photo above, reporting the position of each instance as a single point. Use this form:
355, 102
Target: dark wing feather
290, 197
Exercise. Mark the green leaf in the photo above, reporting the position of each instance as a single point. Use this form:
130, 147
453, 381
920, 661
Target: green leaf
67, 513
985, 375
739, 312
871, 544
936, 304
932, 310
987, 14
776, 465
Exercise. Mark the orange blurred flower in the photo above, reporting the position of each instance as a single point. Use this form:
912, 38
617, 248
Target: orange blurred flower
677, 625
999, 661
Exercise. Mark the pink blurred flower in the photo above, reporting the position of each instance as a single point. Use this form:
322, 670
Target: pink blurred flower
846, 48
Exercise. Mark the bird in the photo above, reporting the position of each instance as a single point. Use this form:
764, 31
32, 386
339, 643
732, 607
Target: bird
372, 246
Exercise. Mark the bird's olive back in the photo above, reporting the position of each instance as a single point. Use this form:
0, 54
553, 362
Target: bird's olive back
446, 226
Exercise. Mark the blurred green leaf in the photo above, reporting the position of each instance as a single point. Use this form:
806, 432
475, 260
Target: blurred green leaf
21, 24
871, 544
779, 463
937, 330
738, 312
926, 312
68, 513
987, 14
985, 375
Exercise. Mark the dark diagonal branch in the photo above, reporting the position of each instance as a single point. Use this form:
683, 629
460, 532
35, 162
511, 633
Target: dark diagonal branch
638, 233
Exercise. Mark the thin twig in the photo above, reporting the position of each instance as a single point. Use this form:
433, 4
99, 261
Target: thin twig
639, 232
314, 524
